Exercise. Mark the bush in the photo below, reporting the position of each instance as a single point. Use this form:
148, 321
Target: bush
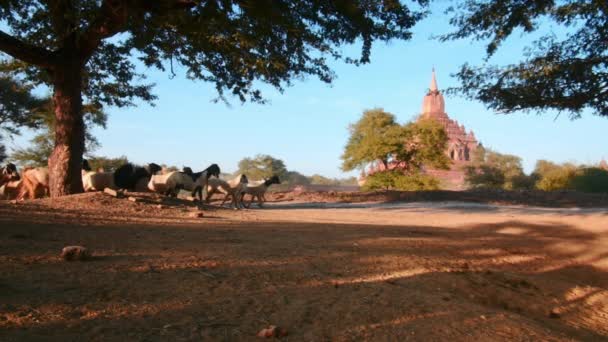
397, 180
590, 179
551, 176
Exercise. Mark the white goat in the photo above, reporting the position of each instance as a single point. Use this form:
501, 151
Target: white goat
259, 190
35, 183
170, 183
232, 188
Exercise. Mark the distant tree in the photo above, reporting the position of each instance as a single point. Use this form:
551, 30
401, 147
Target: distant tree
107, 163
495, 170
397, 180
292, 178
18, 107
41, 145
550, 176
590, 179
3, 155
86, 49
375, 137
262, 166
321, 180
568, 74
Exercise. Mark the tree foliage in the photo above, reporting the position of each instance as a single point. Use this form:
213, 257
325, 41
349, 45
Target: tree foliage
568, 74
87, 49
398, 180
322, 180
18, 107
550, 176
493, 170
377, 137
262, 166
108, 164
42, 144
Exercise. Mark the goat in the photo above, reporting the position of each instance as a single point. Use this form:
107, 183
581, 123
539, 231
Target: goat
259, 190
232, 188
35, 183
127, 176
201, 179
9, 173
96, 180
171, 183
10, 190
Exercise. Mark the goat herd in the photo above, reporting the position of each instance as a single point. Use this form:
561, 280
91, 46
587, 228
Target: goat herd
34, 182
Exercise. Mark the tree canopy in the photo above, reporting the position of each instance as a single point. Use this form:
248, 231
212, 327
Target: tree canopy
262, 166
86, 49
377, 137
41, 145
494, 170
568, 74
18, 107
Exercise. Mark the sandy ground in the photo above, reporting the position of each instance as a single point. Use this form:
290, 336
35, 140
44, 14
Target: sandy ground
427, 271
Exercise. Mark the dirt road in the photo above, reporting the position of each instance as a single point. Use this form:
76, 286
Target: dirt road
381, 272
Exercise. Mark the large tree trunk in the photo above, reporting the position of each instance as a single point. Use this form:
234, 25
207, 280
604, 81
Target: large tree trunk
66, 160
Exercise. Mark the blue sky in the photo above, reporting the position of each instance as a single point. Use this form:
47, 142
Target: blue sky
306, 126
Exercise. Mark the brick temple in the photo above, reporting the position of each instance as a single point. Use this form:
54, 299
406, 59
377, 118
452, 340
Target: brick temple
460, 147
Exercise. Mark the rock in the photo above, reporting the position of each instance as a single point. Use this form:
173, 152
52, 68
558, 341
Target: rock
272, 331
160, 206
113, 193
554, 314
197, 214
75, 253
133, 199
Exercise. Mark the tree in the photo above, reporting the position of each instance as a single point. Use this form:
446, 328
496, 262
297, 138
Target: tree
494, 170
41, 145
293, 178
18, 107
262, 166
375, 137
86, 49
2, 153
396, 179
107, 163
568, 74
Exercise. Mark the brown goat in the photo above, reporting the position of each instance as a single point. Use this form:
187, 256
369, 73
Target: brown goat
35, 183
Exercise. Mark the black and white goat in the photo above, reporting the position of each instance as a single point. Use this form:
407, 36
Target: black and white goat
128, 175
259, 190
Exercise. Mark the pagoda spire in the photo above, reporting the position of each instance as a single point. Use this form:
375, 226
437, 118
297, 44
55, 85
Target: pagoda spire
433, 86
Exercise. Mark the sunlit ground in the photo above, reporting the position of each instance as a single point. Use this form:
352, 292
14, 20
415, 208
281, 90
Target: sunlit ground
418, 272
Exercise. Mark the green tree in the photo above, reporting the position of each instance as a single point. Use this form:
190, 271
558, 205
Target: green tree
18, 107
86, 49
107, 163
494, 170
375, 137
262, 166
569, 73
292, 178
41, 145
398, 180
3, 155
550, 176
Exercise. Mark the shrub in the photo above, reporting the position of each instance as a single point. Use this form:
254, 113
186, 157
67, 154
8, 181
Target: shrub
398, 180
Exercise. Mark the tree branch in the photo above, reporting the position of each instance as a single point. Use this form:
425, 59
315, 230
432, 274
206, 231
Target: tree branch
114, 16
28, 53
